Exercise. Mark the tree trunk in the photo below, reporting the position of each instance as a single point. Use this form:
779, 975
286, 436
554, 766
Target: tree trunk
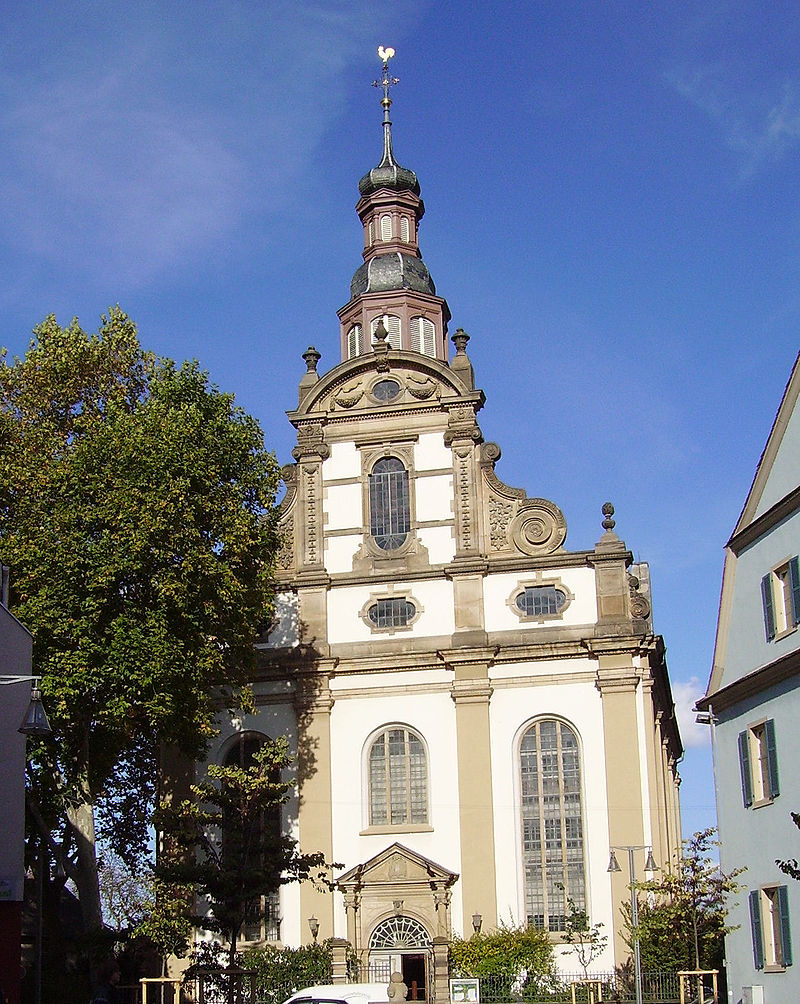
80, 815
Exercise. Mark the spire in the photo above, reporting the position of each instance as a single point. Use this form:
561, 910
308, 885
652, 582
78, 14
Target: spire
388, 173
385, 54
393, 302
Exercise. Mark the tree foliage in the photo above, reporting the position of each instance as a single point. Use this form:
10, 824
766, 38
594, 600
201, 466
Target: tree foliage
519, 958
682, 913
220, 843
587, 941
136, 514
790, 866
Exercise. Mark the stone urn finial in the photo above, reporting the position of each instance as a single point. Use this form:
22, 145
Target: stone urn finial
312, 357
608, 512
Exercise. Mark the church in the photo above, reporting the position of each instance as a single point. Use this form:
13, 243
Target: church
479, 715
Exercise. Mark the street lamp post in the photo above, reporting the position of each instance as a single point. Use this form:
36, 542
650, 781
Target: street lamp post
649, 866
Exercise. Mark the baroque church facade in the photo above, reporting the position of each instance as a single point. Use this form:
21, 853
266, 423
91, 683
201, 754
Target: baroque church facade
479, 715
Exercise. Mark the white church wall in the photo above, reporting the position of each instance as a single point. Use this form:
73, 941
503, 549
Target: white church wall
354, 722
344, 462
498, 590
512, 710
434, 497
430, 453
440, 543
340, 550
342, 507
434, 599
285, 632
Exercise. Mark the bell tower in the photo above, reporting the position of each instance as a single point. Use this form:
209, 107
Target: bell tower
393, 286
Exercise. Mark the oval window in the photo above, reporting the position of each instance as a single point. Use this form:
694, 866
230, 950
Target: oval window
385, 390
393, 612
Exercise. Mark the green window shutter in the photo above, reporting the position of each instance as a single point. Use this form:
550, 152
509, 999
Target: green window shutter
794, 581
786, 934
769, 613
744, 767
772, 759
755, 929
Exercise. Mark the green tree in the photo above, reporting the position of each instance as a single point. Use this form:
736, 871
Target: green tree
682, 913
136, 513
587, 942
220, 843
519, 959
790, 867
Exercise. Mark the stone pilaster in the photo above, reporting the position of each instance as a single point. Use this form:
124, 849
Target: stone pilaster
463, 436
441, 970
471, 692
313, 704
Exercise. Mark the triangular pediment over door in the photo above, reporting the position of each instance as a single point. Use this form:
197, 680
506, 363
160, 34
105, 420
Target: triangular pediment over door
397, 882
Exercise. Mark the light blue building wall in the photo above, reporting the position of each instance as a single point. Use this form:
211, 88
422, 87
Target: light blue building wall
753, 696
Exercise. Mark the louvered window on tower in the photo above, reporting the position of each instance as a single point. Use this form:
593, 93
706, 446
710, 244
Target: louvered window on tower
355, 341
372, 231
423, 336
404, 229
392, 324
386, 228
389, 510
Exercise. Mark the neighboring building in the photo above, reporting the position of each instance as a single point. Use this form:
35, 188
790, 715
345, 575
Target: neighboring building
479, 714
753, 698
16, 648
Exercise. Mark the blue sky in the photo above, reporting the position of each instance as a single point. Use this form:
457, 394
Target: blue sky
612, 215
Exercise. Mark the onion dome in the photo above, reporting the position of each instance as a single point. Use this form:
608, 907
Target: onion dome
392, 271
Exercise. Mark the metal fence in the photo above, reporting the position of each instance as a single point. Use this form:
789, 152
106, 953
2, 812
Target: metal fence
657, 988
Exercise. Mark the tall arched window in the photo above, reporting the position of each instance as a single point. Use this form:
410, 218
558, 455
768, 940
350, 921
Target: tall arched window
404, 229
386, 228
398, 779
389, 508
392, 324
552, 823
266, 927
423, 336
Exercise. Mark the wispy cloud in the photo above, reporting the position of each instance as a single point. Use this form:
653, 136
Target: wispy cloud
159, 140
686, 693
761, 124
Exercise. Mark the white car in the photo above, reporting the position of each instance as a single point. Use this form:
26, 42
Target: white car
341, 993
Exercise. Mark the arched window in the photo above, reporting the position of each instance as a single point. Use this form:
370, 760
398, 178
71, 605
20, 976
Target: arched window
389, 508
552, 823
423, 336
355, 341
386, 227
264, 925
392, 324
398, 779
404, 229
371, 232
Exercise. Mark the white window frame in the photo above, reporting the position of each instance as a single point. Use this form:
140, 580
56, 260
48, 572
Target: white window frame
422, 335
355, 341
386, 227
770, 928
758, 763
406, 825
780, 599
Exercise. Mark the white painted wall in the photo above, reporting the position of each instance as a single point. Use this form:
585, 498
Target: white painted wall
430, 453
434, 598
434, 496
512, 711
342, 507
344, 462
499, 588
353, 721
440, 543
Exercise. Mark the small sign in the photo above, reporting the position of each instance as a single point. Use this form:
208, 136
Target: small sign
465, 991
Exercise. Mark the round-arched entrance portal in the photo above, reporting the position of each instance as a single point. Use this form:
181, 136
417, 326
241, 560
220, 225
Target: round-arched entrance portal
401, 944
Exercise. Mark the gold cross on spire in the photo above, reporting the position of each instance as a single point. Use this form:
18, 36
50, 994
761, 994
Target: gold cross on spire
385, 53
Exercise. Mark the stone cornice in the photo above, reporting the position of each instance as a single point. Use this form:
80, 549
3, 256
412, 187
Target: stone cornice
754, 683
788, 505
